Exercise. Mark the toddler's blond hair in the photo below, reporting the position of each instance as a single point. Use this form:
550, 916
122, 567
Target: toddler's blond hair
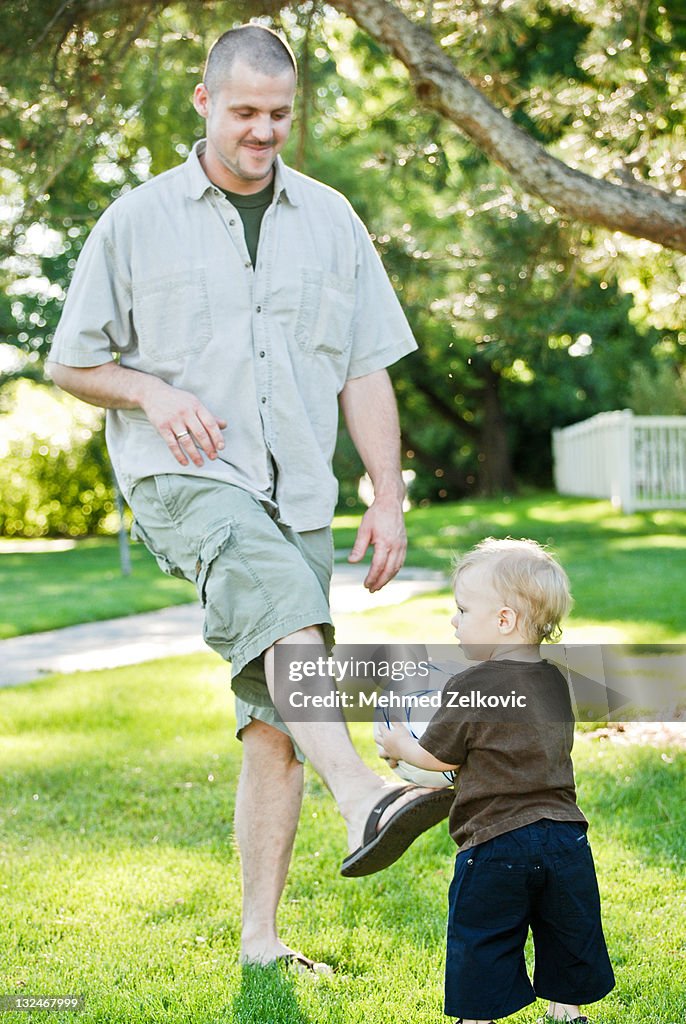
528, 579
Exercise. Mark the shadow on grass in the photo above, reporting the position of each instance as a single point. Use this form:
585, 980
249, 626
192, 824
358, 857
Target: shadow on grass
267, 994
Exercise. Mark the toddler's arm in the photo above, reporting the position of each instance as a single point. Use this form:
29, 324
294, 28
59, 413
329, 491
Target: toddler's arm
400, 745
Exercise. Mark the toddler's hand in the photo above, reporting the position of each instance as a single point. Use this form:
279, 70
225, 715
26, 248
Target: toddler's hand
393, 739
379, 730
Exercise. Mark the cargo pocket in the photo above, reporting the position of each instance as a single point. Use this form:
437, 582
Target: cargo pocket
165, 564
325, 313
212, 546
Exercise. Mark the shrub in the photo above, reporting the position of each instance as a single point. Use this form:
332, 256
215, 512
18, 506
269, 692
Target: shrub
55, 476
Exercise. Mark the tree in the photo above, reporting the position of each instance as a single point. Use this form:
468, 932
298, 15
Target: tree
85, 41
526, 319
519, 328
636, 208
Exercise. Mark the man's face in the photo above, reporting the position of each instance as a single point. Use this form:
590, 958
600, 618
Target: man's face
248, 121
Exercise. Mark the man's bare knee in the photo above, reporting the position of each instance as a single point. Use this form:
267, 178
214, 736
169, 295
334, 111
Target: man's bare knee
306, 635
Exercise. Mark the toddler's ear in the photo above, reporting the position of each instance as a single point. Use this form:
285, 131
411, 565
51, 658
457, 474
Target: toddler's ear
507, 620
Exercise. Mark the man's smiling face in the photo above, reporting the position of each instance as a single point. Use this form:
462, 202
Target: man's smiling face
248, 122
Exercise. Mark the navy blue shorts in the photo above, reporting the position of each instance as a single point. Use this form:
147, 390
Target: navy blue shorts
541, 877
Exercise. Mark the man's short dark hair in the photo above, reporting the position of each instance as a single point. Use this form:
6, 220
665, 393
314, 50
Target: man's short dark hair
261, 48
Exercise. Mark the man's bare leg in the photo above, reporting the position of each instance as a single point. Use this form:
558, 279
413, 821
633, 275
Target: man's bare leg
268, 804
327, 744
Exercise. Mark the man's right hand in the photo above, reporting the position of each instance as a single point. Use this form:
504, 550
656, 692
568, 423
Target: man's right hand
185, 424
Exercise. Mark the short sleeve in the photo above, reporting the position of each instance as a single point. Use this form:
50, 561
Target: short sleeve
447, 734
96, 318
448, 745
381, 333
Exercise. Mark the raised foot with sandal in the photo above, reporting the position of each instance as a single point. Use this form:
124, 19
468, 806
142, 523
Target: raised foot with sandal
382, 847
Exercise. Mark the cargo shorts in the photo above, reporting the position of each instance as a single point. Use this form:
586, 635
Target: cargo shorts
258, 580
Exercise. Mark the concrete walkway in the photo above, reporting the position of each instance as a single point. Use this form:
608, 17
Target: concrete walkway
174, 631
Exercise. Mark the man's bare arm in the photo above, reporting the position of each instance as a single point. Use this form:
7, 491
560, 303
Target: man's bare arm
371, 415
178, 416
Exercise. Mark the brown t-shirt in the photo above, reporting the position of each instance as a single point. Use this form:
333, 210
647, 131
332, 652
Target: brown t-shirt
516, 765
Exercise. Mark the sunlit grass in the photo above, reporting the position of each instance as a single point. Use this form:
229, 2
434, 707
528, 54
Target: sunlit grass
628, 573
51, 589
119, 878
426, 619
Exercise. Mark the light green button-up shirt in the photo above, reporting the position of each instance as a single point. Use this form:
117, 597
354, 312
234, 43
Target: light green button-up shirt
165, 284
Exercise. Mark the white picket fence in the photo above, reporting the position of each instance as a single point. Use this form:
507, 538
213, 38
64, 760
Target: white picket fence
638, 462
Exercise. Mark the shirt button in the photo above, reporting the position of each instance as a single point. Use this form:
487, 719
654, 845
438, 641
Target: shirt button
232, 222
262, 355
248, 265
263, 400
259, 309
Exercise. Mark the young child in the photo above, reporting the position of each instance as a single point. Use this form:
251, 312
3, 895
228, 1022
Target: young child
524, 859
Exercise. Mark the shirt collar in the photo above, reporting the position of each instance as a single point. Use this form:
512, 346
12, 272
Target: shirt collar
286, 183
197, 183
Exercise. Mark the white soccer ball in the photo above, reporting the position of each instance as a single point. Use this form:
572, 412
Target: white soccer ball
415, 719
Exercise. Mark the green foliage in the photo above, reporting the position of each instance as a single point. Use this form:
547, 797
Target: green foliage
525, 322
607, 78
657, 391
55, 476
520, 327
51, 493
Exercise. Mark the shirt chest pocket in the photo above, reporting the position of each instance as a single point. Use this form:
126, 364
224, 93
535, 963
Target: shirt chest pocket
326, 309
172, 314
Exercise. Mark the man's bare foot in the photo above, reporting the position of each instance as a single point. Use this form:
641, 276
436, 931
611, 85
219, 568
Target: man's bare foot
260, 952
356, 817
277, 952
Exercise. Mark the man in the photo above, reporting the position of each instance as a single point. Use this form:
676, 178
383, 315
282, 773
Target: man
218, 312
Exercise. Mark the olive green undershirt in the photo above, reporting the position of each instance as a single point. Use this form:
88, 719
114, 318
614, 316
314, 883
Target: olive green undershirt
251, 210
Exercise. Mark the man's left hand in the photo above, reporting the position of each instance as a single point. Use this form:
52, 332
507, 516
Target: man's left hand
383, 527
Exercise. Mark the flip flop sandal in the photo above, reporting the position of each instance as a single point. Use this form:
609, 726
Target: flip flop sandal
379, 849
303, 965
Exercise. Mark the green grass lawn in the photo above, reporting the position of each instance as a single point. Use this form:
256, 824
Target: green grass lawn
628, 573
51, 589
119, 878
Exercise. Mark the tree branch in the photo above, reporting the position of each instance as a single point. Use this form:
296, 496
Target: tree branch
638, 210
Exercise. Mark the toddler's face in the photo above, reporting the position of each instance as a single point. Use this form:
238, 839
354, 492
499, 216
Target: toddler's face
479, 618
